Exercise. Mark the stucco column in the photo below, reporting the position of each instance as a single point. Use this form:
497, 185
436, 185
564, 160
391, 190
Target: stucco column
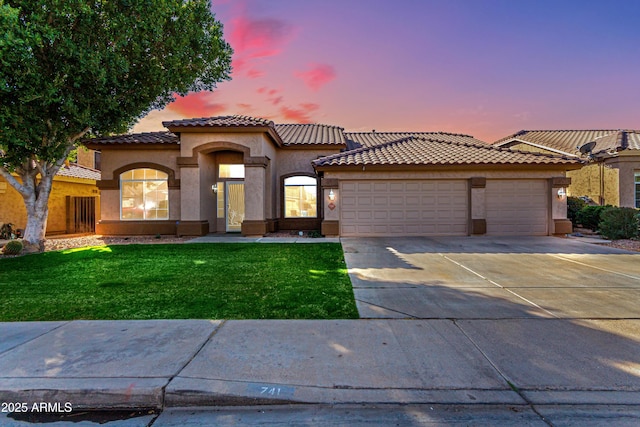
559, 222
255, 189
190, 223
478, 208
330, 225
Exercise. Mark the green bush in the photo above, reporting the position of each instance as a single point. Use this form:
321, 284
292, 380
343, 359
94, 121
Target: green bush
6, 231
589, 216
13, 247
574, 205
315, 234
619, 223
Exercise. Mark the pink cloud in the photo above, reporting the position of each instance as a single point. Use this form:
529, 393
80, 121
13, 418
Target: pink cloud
275, 100
254, 74
198, 104
274, 96
299, 115
253, 39
317, 75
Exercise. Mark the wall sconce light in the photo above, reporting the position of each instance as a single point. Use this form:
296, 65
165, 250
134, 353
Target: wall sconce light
214, 188
562, 193
332, 195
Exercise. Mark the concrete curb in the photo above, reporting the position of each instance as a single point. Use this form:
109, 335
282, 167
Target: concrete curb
87, 393
184, 392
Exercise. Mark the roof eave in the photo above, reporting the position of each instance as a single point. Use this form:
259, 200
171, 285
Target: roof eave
133, 146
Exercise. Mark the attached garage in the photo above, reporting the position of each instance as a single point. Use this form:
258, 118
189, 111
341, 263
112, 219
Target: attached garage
404, 208
517, 207
418, 186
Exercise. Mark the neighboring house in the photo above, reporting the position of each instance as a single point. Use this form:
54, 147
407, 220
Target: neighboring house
73, 203
249, 175
612, 173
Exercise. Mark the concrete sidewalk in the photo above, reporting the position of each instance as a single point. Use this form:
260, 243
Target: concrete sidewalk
162, 364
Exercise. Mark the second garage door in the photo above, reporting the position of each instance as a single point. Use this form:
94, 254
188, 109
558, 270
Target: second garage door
403, 208
517, 207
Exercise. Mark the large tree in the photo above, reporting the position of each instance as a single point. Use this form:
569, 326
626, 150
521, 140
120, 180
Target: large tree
70, 68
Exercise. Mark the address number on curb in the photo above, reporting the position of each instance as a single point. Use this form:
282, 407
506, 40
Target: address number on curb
270, 390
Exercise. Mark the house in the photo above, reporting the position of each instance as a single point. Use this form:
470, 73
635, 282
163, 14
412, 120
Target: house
73, 202
250, 175
612, 173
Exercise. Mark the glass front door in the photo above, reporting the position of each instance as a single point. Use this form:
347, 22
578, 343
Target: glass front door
235, 205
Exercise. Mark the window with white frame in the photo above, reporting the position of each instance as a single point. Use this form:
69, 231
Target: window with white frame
300, 194
144, 195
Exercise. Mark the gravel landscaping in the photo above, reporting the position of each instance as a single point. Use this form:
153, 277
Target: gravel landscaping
69, 242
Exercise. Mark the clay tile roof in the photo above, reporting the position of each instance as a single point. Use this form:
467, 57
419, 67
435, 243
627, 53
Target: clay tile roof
220, 121
311, 134
565, 141
633, 140
136, 138
423, 151
371, 139
77, 171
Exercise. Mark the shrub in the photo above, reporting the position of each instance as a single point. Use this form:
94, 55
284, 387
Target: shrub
315, 234
589, 216
574, 205
619, 223
13, 247
6, 231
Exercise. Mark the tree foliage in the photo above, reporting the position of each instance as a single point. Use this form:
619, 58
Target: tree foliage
68, 67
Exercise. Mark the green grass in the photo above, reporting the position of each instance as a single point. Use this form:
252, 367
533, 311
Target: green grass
187, 281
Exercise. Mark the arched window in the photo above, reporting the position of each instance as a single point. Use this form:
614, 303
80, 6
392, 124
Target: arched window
144, 195
300, 194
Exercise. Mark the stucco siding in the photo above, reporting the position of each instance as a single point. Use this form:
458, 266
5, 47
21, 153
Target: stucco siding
597, 181
115, 159
12, 209
626, 164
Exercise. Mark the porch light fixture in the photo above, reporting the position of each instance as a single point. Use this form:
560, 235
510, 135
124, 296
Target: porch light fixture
214, 188
332, 195
562, 193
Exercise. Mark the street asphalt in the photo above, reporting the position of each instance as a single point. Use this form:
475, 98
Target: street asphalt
530, 330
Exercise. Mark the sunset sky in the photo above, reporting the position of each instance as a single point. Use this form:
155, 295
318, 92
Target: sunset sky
487, 68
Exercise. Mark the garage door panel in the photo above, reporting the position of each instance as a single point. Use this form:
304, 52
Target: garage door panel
517, 207
428, 207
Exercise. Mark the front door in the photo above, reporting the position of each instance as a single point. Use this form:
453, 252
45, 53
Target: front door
234, 205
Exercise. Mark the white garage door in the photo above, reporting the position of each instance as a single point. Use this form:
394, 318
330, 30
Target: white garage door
517, 207
403, 208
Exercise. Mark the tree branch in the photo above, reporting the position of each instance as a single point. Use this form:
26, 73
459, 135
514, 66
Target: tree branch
12, 180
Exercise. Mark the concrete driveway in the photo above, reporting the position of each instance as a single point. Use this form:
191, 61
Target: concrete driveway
492, 278
557, 318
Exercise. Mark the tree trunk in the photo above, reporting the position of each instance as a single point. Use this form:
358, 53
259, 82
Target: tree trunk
36, 200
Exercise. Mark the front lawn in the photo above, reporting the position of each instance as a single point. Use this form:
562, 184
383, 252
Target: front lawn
183, 281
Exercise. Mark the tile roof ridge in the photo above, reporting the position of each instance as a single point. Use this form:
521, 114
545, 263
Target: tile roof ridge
568, 130
242, 116
310, 124
74, 164
259, 120
410, 131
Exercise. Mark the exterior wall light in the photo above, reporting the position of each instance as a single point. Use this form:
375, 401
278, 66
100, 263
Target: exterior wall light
332, 195
214, 188
562, 193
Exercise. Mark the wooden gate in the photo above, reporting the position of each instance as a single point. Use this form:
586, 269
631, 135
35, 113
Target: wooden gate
81, 215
